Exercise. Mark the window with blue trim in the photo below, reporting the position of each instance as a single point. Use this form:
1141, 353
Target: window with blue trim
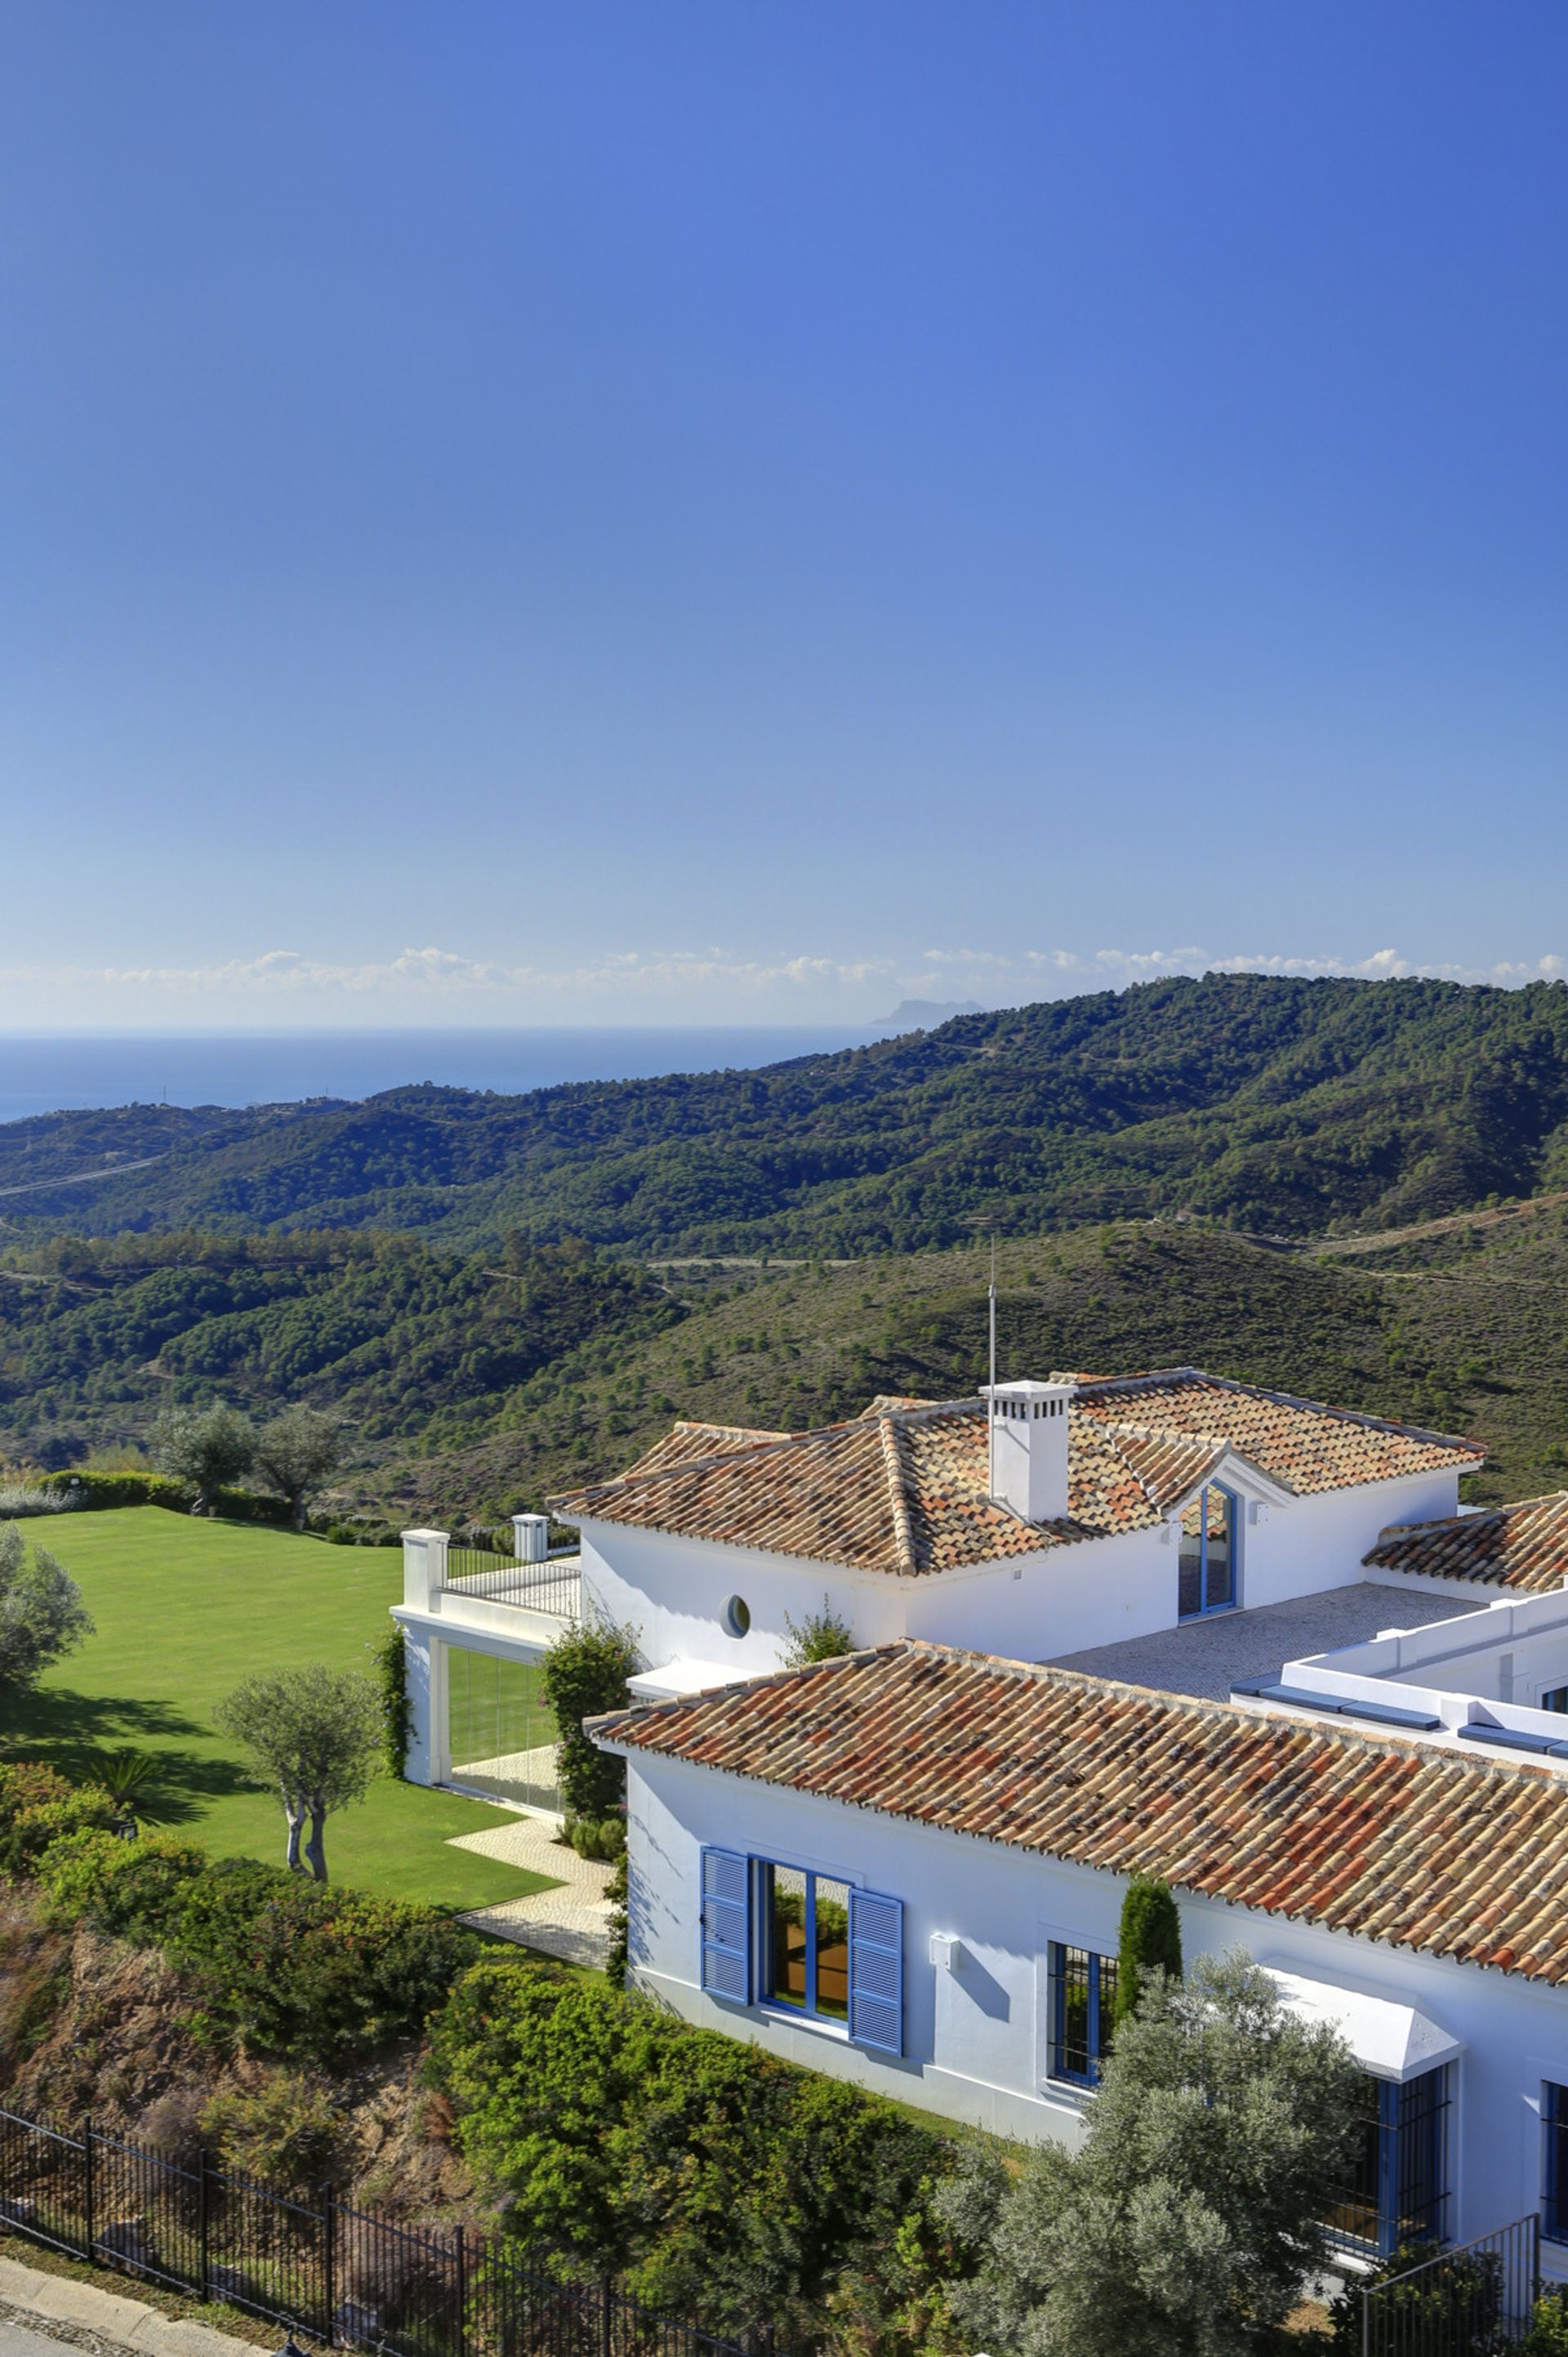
1206, 1576
804, 1920
1084, 2001
1554, 2186
1396, 2188
1556, 1698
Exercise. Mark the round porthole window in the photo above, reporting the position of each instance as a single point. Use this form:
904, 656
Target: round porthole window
737, 1616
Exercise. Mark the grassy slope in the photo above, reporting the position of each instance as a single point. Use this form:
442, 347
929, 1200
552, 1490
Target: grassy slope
185, 1610
1465, 1338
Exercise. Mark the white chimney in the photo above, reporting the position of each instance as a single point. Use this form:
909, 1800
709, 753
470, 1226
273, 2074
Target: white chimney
1028, 1448
530, 1539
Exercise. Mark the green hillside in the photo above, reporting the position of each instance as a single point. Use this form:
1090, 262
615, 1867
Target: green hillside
1268, 1104
1474, 1342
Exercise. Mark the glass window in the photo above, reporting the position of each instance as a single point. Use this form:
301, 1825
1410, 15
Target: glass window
805, 1945
1083, 1998
1205, 1578
1556, 1698
1554, 2191
1395, 2189
501, 1734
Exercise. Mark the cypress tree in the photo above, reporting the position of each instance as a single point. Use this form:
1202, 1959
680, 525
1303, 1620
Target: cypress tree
1150, 1940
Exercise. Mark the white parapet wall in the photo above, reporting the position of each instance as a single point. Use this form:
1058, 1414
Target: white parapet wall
1490, 1667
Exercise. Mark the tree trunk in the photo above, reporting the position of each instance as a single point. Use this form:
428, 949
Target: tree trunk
293, 1810
315, 1849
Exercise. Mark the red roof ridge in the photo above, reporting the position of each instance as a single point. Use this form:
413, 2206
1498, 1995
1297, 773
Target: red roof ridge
898, 1496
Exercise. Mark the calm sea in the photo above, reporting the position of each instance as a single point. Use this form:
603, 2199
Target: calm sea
67, 1070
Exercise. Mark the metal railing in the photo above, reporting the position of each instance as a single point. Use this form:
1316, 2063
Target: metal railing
1472, 2301
342, 2277
554, 1585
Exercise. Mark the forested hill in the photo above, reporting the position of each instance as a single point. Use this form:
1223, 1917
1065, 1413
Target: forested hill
1273, 1105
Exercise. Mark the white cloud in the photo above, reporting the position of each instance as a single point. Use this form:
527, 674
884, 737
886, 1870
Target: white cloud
709, 985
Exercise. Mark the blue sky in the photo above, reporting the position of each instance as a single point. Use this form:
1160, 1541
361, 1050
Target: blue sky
611, 512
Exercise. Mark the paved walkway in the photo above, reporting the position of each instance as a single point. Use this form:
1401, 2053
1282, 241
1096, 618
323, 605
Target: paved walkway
1207, 1657
571, 1921
41, 2312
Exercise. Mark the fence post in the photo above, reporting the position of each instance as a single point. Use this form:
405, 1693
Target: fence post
607, 2319
201, 2165
1366, 2323
460, 2252
88, 2220
330, 2256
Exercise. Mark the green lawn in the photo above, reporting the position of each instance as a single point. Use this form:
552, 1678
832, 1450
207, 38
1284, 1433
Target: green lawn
184, 1610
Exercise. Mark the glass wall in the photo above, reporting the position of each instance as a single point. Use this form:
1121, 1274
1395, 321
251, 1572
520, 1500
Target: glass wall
502, 1737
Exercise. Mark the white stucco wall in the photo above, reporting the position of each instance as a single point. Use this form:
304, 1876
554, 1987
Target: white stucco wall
1062, 1600
976, 2039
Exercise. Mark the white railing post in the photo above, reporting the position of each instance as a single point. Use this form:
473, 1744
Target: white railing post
423, 1566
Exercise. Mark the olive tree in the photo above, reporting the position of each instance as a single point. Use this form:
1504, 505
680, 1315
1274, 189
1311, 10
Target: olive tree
1187, 2222
41, 1612
209, 1448
318, 1734
296, 1452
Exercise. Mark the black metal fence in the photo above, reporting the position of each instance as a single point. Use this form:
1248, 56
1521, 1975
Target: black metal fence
478, 1569
1471, 2301
342, 2277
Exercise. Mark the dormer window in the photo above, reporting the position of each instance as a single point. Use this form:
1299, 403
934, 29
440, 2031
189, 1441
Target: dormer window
1205, 1578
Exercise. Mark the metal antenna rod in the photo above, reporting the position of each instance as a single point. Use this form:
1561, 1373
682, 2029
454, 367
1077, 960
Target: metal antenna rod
991, 1397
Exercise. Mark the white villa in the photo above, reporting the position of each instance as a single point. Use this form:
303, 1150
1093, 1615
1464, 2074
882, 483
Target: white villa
1162, 1624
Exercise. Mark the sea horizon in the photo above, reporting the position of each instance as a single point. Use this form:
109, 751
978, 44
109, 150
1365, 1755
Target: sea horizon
80, 1068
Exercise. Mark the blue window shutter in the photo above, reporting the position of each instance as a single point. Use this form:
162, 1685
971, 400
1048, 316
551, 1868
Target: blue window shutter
726, 1924
877, 1970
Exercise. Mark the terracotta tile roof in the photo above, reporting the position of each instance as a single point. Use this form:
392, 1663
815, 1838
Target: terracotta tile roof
902, 1489
1523, 1545
687, 1441
1394, 1840
1298, 1442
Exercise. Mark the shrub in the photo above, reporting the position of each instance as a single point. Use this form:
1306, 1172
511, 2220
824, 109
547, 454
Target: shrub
34, 1831
310, 1973
1548, 2333
822, 1636
722, 2180
23, 1783
1150, 1940
585, 1673
133, 1890
20, 1499
285, 2129
597, 1838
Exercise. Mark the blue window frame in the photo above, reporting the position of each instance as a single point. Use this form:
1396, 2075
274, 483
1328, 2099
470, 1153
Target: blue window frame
1555, 1699
806, 1942
1083, 2000
1396, 2188
1555, 2162
804, 1921
1206, 1576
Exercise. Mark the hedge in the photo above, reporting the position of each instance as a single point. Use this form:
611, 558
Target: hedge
94, 1491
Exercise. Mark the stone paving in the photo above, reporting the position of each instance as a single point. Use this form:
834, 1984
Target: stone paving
571, 1921
1204, 1658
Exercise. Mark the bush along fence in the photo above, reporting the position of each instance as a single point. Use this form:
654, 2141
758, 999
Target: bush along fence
341, 2277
